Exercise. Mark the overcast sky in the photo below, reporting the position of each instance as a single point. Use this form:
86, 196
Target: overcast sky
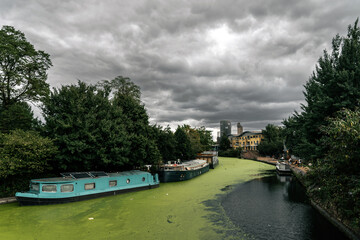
197, 62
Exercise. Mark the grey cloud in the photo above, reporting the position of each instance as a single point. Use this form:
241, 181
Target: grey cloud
185, 73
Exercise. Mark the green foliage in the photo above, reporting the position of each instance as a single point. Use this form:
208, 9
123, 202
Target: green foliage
101, 127
272, 144
334, 85
336, 179
224, 143
183, 145
200, 140
206, 139
343, 138
143, 149
88, 131
194, 137
122, 86
22, 68
17, 116
24, 155
165, 141
230, 152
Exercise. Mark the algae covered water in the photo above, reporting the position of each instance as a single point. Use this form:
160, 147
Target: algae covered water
172, 211
234, 201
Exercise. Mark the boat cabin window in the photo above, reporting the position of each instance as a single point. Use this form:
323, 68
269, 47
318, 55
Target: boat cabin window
113, 183
49, 188
67, 188
35, 187
89, 186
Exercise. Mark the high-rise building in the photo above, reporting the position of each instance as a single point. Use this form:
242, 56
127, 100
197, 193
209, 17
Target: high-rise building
225, 128
239, 129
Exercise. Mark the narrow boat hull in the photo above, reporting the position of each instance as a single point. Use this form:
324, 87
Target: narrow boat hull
28, 201
176, 176
283, 169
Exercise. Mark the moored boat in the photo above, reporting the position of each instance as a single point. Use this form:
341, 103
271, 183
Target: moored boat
283, 168
174, 172
77, 186
211, 157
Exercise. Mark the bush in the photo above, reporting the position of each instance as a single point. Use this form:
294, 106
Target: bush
230, 153
24, 155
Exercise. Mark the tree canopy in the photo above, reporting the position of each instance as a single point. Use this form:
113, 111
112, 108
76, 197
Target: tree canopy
89, 132
224, 143
183, 145
165, 141
272, 144
17, 116
22, 68
334, 85
99, 127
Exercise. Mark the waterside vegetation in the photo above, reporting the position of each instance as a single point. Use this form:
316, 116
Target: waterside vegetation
326, 134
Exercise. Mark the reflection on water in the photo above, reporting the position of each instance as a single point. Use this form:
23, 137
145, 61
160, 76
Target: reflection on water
276, 207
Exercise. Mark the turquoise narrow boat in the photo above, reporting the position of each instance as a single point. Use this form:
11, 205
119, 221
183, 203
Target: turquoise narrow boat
78, 186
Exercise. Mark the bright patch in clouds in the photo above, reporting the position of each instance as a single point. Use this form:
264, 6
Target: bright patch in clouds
222, 40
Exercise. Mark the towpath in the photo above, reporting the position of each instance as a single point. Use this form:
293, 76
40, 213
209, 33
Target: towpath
7, 200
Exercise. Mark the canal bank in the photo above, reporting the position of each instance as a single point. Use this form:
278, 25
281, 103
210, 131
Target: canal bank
300, 173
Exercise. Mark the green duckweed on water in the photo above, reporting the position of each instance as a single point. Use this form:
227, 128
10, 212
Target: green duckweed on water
180, 210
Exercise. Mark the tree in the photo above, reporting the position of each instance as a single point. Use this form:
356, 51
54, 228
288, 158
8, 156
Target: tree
334, 180
99, 127
87, 129
206, 139
24, 155
183, 145
17, 116
143, 149
123, 86
334, 85
224, 143
342, 135
165, 142
194, 137
22, 68
272, 144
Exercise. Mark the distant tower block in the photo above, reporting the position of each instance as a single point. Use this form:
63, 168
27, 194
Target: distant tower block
225, 128
239, 129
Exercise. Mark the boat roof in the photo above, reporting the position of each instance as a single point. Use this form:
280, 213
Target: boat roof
188, 163
73, 176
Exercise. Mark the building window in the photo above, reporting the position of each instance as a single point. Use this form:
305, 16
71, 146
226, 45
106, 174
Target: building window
67, 188
89, 186
49, 188
112, 183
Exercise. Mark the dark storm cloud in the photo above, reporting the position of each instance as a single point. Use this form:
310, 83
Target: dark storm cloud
197, 62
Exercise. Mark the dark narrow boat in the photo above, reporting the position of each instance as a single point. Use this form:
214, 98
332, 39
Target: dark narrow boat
211, 157
77, 186
174, 172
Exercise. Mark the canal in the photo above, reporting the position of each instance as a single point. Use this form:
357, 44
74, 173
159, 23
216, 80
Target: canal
240, 199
